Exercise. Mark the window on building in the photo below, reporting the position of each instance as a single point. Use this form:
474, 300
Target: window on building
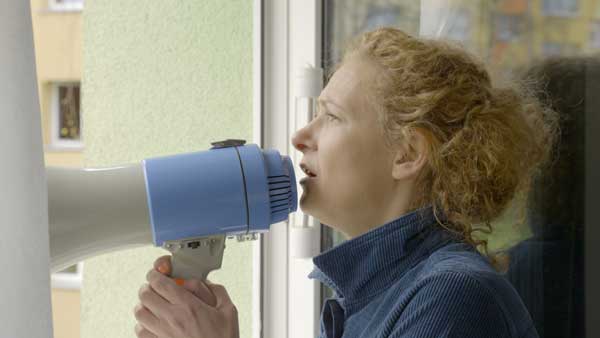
595, 35
560, 7
508, 27
66, 115
553, 48
65, 5
514, 7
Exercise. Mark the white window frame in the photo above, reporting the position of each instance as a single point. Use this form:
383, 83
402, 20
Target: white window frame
68, 280
54, 5
290, 301
56, 143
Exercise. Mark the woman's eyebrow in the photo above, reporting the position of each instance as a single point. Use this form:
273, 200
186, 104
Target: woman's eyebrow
322, 102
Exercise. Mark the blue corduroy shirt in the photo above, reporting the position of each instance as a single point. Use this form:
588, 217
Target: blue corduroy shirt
412, 278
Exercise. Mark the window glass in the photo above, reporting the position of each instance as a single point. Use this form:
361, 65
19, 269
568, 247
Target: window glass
68, 112
554, 42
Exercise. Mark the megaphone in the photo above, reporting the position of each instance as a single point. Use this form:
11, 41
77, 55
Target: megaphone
186, 203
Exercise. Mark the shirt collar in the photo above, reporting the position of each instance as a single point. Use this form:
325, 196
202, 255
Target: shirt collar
360, 266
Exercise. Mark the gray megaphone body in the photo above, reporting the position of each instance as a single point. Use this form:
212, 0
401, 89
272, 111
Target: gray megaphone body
187, 204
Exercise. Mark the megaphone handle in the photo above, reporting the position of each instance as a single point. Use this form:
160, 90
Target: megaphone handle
195, 258
162, 269
192, 267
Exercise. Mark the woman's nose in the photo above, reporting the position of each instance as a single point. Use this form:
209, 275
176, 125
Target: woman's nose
301, 139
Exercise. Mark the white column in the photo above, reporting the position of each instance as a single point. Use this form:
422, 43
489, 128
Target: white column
274, 244
25, 310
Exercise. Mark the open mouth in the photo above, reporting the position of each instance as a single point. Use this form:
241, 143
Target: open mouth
307, 171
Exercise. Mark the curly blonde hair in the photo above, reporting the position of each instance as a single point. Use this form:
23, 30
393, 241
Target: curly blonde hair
485, 143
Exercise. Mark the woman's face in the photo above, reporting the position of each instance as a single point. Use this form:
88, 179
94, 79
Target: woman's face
344, 147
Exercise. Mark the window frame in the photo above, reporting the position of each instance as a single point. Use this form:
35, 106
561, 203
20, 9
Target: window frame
257, 132
67, 280
290, 300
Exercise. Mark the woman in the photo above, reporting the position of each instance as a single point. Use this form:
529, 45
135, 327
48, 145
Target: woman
412, 152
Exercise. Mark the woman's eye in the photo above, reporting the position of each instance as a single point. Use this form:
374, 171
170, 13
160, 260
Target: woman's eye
331, 117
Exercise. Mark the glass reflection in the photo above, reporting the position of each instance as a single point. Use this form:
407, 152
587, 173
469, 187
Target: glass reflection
554, 45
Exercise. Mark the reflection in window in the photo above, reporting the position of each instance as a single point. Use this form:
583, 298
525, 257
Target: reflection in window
512, 36
513, 6
348, 18
508, 27
560, 7
595, 35
550, 48
547, 270
378, 16
460, 28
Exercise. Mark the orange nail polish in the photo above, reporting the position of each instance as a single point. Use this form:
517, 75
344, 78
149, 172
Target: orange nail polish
179, 281
162, 269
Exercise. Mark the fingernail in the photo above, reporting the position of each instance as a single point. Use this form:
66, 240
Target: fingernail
179, 281
162, 269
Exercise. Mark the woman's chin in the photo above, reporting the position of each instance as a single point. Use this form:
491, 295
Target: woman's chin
309, 201
305, 203
302, 203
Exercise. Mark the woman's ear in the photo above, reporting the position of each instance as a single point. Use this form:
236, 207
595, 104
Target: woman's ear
410, 159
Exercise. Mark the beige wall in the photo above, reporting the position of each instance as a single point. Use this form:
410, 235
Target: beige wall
66, 313
57, 40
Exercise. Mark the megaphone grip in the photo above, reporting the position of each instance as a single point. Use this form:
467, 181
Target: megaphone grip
195, 258
165, 271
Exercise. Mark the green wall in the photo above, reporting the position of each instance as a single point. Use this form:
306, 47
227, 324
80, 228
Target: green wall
161, 77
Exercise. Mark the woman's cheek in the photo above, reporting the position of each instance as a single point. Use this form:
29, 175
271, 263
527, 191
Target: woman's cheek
340, 181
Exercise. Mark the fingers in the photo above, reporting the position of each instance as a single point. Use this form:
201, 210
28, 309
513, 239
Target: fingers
159, 306
163, 264
147, 321
200, 290
167, 288
141, 332
223, 299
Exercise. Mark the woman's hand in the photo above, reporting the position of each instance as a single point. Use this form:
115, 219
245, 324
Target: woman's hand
194, 310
